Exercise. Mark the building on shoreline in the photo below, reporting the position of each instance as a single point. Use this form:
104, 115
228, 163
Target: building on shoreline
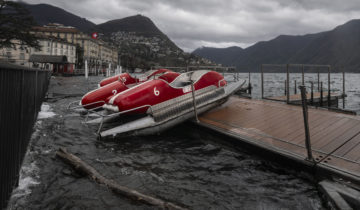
49, 46
97, 52
59, 40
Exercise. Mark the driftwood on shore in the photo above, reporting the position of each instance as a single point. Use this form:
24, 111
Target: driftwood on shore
84, 168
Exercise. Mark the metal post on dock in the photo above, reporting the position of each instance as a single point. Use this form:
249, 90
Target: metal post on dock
318, 78
321, 94
329, 96
285, 87
295, 88
287, 84
343, 95
312, 93
262, 81
194, 101
302, 75
306, 123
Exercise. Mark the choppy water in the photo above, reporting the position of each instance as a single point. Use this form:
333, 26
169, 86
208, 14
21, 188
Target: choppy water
184, 165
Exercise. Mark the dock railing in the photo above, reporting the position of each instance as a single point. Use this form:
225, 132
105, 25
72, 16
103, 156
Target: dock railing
289, 68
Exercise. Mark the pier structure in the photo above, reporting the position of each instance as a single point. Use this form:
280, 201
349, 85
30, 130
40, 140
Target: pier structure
278, 128
322, 138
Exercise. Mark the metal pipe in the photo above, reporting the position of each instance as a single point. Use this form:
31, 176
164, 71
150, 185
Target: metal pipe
287, 84
194, 101
321, 94
262, 82
318, 78
343, 95
312, 93
329, 96
302, 75
306, 123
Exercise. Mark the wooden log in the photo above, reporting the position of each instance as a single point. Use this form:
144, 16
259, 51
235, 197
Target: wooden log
93, 174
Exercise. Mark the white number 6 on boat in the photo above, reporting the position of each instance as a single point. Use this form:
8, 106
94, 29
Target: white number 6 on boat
156, 92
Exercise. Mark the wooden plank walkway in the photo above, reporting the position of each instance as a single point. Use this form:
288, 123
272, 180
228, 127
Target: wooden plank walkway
278, 127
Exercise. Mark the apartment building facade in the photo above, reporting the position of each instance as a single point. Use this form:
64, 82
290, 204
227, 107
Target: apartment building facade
50, 47
96, 52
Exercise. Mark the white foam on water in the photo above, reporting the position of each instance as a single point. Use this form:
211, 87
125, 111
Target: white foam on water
45, 112
26, 181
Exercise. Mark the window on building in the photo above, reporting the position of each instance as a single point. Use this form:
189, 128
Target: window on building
48, 44
62, 45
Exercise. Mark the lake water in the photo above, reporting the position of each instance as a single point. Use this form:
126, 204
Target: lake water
184, 165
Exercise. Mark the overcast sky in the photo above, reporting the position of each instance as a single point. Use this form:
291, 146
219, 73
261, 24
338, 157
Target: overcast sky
220, 23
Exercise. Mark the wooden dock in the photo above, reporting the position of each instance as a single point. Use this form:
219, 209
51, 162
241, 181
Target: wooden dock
279, 128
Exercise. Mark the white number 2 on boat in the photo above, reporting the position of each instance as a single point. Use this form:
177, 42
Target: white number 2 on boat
156, 92
114, 92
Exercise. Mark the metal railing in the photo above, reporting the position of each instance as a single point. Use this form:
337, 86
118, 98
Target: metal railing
22, 91
118, 114
83, 106
319, 83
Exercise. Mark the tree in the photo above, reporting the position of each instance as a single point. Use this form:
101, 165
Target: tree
15, 24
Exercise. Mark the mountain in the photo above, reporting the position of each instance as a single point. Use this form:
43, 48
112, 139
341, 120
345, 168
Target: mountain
138, 23
45, 13
226, 56
339, 47
141, 44
138, 35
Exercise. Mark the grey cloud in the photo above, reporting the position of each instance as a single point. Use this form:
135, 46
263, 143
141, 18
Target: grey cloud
192, 23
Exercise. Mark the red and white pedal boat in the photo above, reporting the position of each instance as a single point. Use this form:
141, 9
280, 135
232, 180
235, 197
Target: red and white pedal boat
127, 79
98, 97
166, 104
